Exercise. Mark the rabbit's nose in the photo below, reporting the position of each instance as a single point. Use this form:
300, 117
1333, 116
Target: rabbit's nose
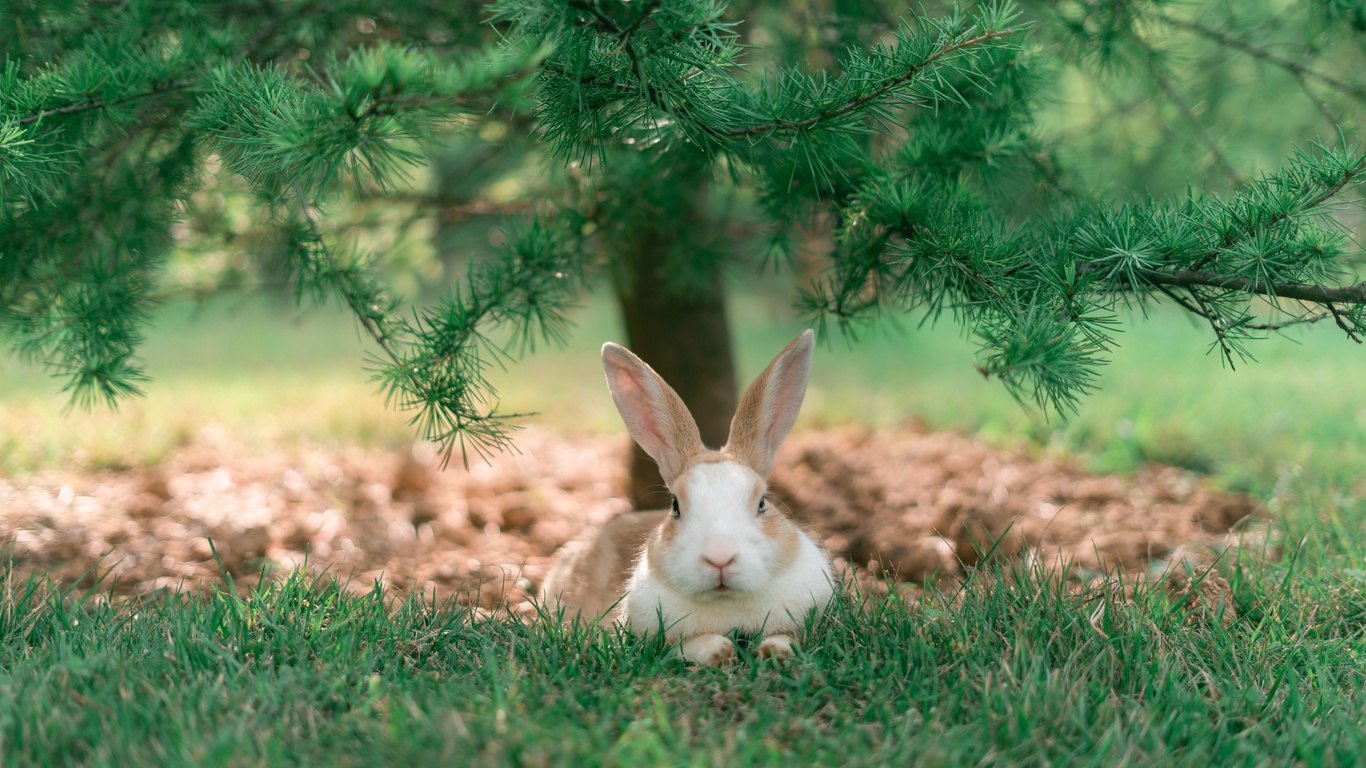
719, 562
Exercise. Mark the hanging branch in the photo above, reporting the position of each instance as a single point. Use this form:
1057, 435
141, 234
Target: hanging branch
878, 92
366, 316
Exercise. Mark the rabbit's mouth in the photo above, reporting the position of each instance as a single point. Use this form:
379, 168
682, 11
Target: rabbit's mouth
726, 589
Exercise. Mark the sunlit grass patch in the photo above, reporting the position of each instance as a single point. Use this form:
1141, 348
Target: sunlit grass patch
274, 375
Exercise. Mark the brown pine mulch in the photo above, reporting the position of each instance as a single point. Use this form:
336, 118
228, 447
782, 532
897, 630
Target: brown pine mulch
905, 502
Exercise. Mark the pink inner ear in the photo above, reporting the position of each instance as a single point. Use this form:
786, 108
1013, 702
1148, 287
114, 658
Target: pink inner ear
784, 401
638, 411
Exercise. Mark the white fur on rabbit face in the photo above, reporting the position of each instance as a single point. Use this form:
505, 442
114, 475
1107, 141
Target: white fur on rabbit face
721, 545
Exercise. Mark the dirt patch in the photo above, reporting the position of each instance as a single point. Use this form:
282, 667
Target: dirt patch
905, 502
924, 505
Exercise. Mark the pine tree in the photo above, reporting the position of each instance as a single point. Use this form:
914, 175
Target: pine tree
911, 139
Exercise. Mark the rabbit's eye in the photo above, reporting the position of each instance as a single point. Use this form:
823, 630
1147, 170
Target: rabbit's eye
761, 506
675, 512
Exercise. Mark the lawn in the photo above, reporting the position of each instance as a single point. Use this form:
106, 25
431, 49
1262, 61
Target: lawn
1013, 669
1016, 673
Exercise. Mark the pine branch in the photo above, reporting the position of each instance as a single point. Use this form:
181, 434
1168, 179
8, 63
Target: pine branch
436, 373
860, 101
103, 104
1318, 294
1347, 176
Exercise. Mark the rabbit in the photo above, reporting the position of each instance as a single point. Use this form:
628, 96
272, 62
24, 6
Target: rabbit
722, 557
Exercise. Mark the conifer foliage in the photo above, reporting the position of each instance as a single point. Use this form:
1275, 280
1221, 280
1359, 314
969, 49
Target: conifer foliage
915, 143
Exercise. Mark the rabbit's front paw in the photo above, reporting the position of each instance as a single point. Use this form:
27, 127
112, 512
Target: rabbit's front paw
777, 647
707, 650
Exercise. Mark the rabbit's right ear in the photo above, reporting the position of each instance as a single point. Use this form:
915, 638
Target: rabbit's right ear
768, 409
654, 414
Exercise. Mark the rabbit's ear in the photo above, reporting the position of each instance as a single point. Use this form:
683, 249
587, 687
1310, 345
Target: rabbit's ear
654, 414
770, 405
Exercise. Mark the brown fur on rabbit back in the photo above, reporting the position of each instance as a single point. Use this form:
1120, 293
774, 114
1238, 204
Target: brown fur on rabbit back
590, 573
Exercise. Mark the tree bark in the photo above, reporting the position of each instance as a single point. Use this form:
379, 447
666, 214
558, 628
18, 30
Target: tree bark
685, 337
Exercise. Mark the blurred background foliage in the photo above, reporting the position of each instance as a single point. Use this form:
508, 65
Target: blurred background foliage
1236, 70
1091, 101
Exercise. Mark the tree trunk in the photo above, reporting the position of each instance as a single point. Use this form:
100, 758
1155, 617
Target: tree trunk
685, 337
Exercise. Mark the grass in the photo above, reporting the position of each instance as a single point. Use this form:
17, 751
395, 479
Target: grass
1020, 672
1017, 671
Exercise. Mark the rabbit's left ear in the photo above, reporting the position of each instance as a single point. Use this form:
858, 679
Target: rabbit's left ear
654, 414
769, 408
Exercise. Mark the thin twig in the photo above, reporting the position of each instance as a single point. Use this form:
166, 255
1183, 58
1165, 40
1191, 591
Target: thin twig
454, 209
1216, 321
1189, 307
603, 22
1289, 65
1326, 109
102, 103
1169, 90
1301, 320
462, 421
1201, 309
1342, 323
1047, 166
